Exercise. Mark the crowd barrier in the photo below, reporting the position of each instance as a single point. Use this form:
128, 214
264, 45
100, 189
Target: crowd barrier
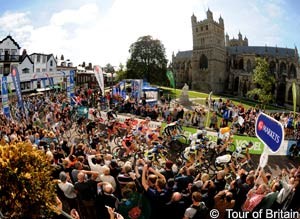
238, 140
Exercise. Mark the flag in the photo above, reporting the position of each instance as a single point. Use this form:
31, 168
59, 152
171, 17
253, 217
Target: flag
5, 106
99, 76
294, 90
16, 80
171, 78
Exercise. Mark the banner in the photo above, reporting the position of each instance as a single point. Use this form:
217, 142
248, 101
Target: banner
294, 90
71, 91
269, 131
122, 89
99, 76
16, 80
5, 106
171, 78
136, 89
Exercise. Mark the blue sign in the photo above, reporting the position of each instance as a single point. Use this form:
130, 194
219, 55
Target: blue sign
16, 79
72, 86
269, 131
6, 109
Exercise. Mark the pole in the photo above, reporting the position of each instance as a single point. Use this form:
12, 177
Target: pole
209, 106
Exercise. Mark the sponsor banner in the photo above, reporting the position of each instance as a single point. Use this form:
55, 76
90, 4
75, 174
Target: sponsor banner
4, 90
269, 131
136, 89
16, 80
99, 77
71, 88
122, 89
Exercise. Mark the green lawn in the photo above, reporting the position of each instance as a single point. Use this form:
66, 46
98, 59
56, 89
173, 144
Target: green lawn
175, 93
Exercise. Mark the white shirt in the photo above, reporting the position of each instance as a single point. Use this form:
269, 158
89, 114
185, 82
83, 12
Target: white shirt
68, 189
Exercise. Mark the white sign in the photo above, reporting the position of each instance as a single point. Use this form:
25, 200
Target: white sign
263, 159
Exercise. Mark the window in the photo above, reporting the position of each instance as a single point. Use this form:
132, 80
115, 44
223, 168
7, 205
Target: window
196, 29
13, 52
22, 85
28, 85
51, 63
38, 58
206, 27
201, 28
25, 70
50, 69
38, 70
203, 62
43, 70
44, 59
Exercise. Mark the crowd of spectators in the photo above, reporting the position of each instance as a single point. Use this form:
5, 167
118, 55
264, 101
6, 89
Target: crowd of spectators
94, 183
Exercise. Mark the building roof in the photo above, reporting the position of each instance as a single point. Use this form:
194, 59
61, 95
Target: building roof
9, 37
26, 56
260, 50
185, 54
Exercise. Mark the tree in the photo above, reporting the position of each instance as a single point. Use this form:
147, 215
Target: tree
109, 68
26, 187
147, 60
264, 82
121, 73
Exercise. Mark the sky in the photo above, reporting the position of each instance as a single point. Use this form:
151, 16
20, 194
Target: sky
101, 31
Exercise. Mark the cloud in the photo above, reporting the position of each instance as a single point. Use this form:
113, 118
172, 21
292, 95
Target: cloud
102, 34
11, 21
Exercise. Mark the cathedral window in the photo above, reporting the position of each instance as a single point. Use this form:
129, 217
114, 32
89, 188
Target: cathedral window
203, 62
249, 66
241, 64
282, 69
272, 67
292, 72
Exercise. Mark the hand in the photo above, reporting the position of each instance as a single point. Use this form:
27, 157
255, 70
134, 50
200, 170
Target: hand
74, 214
111, 211
132, 175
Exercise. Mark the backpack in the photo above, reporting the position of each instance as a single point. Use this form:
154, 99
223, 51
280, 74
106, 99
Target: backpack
201, 212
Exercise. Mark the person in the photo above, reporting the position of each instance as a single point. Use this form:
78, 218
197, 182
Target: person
173, 128
198, 207
223, 200
86, 190
155, 153
192, 154
68, 189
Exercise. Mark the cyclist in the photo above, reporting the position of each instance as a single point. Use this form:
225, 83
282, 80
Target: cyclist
156, 153
173, 128
128, 143
192, 154
241, 155
111, 115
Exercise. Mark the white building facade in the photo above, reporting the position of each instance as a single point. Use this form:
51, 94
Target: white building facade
37, 71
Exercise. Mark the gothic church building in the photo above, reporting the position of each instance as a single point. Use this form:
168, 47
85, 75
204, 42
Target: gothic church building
220, 64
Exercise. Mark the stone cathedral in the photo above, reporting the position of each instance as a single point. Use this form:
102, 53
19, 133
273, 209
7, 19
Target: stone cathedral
223, 65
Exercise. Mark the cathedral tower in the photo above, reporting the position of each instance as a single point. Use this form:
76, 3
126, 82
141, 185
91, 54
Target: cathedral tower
208, 57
